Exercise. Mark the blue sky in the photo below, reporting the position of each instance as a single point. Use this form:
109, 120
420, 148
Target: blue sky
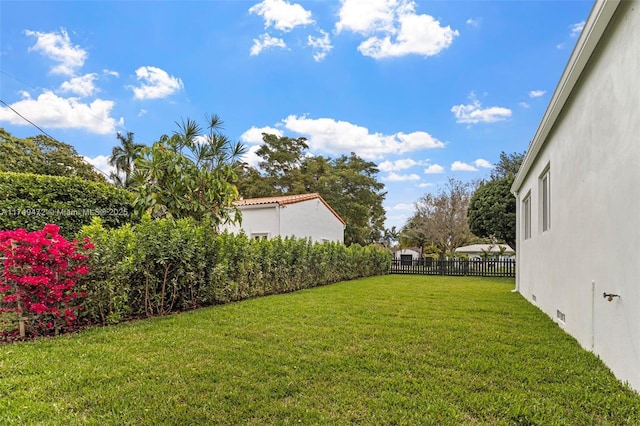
426, 90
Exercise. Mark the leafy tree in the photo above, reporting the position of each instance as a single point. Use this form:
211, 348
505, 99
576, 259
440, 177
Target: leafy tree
492, 209
352, 190
189, 174
281, 160
508, 165
415, 233
43, 155
391, 236
441, 219
123, 159
251, 184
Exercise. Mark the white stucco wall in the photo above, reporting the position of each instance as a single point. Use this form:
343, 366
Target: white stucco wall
593, 245
312, 219
414, 254
257, 220
304, 219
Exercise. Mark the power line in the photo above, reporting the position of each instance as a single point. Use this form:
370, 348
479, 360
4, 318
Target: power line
30, 86
27, 120
41, 130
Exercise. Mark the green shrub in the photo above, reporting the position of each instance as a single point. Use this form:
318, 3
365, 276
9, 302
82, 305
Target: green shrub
108, 284
165, 265
31, 201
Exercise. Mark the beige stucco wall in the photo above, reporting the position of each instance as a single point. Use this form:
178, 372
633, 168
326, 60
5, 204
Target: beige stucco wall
593, 245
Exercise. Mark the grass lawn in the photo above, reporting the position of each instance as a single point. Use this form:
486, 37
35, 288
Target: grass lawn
384, 350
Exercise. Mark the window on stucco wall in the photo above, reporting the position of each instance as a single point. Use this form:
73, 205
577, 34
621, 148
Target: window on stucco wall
545, 199
526, 216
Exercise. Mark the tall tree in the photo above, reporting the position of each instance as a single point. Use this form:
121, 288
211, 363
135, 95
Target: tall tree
281, 160
43, 155
391, 236
508, 165
251, 184
441, 219
190, 174
492, 209
415, 233
354, 192
123, 158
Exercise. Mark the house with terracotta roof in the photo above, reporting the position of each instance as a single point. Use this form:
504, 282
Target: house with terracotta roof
298, 216
578, 194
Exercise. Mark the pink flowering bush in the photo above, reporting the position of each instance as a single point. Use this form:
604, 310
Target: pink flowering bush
37, 279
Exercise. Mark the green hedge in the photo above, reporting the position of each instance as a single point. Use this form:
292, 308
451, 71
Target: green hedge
31, 201
163, 266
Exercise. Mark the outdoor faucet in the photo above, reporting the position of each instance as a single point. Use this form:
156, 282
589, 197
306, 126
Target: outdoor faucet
609, 296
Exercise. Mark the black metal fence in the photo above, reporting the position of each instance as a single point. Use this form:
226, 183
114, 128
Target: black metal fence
455, 267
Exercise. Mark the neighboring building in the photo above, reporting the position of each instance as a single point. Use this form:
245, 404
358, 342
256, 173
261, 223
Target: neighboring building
406, 255
478, 251
578, 194
299, 216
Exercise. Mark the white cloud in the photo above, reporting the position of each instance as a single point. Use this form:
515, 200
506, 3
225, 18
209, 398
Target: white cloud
394, 28
251, 158
459, 166
142, 113
480, 162
49, 110
407, 163
560, 46
400, 207
254, 134
266, 42
101, 162
336, 136
473, 22
426, 185
58, 47
524, 104
282, 15
536, 93
398, 220
394, 177
473, 113
156, 83
366, 16
576, 29
81, 86
434, 169
110, 72
417, 140
321, 46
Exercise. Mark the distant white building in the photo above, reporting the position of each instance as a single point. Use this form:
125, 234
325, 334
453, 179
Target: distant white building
578, 194
406, 255
478, 251
298, 216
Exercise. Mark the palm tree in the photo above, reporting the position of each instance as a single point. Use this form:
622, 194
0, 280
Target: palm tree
123, 158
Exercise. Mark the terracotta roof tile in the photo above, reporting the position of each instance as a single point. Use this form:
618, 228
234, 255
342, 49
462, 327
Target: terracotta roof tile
284, 200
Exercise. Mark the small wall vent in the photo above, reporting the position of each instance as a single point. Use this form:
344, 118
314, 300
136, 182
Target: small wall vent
560, 316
